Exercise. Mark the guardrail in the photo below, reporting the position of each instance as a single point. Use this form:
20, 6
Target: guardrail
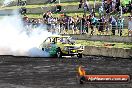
106, 29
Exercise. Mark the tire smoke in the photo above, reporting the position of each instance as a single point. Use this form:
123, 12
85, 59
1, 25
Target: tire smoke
18, 41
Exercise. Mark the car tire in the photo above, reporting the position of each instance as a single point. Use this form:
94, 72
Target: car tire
43, 49
79, 55
59, 53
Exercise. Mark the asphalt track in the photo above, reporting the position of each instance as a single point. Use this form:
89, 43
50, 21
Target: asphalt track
27, 72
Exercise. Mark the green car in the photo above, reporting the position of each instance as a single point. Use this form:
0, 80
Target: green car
62, 46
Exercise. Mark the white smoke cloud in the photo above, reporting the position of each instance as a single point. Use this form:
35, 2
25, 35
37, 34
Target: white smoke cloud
14, 39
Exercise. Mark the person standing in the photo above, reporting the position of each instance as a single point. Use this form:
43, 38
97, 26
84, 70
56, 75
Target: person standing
117, 5
80, 4
18, 2
87, 24
109, 6
130, 26
86, 7
83, 24
120, 23
113, 5
101, 11
101, 25
23, 2
112, 20
71, 23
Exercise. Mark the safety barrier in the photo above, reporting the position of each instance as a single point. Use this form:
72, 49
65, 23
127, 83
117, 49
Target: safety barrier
109, 52
108, 28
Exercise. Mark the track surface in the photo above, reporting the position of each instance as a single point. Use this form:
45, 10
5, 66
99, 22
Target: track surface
24, 72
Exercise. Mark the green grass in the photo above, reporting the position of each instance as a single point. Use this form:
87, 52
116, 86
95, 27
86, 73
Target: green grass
50, 4
80, 13
46, 5
58, 14
34, 15
55, 14
103, 44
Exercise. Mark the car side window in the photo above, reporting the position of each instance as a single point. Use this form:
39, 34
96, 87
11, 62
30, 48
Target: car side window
59, 39
64, 40
48, 40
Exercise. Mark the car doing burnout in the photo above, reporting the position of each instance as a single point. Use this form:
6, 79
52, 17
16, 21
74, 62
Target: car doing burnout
62, 46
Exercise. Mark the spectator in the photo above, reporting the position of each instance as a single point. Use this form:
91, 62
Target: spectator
24, 2
118, 5
49, 13
52, 1
58, 8
86, 7
105, 4
130, 6
66, 23
130, 26
120, 23
124, 9
112, 20
49, 20
52, 22
18, 2
61, 22
82, 25
108, 6
44, 16
23, 10
113, 5
71, 22
101, 11
92, 12
107, 26
101, 24
93, 23
80, 4
87, 24
76, 25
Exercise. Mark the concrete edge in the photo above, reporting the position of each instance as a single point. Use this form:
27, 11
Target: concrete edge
101, 38
108, 52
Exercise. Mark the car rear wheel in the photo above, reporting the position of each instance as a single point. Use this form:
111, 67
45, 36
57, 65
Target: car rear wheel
59, 53
79, 55
43, 49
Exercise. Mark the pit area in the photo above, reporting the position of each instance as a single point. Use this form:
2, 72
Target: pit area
29, 72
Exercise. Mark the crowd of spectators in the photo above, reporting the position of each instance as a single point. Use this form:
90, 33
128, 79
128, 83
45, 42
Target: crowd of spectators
86, 24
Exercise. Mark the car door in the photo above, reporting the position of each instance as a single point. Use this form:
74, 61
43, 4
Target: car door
46, 44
